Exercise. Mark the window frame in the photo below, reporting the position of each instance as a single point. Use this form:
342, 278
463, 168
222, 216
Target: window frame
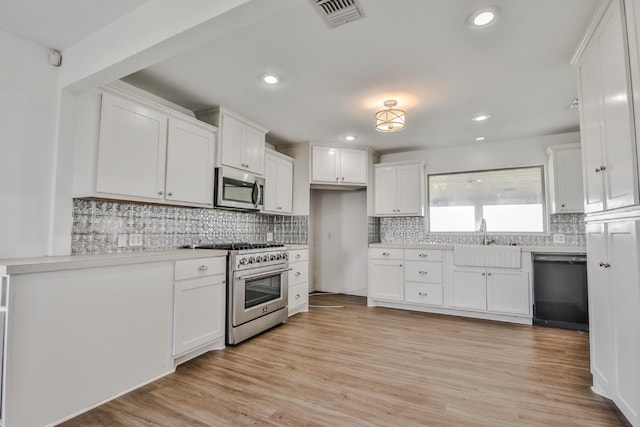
545, 211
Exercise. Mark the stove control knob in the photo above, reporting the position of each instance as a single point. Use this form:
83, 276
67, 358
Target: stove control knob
285, 255
258, 259
272, 257
242, 261
251, 260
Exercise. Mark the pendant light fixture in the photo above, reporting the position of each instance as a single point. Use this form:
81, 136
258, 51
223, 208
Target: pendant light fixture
391, 119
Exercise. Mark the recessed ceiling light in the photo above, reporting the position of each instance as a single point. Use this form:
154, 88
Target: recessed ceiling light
271, 79
350, 138
483, 17
480, 138
481, 117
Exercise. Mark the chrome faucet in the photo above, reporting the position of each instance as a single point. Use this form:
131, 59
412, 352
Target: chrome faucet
483, 230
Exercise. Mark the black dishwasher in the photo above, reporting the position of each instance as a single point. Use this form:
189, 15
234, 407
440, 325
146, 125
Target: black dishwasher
560, 291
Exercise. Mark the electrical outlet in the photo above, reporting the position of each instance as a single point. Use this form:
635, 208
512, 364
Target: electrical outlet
558, 238
269, 237
122, 240
135, 239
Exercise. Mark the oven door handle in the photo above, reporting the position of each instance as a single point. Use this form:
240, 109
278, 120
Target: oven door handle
267, 274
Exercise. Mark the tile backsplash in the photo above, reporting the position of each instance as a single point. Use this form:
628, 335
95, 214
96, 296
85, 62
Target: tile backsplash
374, 229
97, 224
413, 230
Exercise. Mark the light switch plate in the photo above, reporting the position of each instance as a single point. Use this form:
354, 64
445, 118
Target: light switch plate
558, 238
135, 239
269, 237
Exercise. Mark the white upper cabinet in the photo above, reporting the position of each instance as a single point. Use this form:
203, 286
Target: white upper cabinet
606, 116
242, 142
132, 148
278, 187
565, 178
399, 189
150, 154
340, 166
190, 161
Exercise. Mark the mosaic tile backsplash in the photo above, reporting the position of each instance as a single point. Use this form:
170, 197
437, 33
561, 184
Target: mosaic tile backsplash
374, 229
412, 230
97, 224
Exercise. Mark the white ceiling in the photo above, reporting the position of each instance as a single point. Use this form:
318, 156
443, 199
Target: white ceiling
420, 52
58, 24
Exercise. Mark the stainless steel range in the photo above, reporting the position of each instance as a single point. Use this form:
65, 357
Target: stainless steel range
257, 284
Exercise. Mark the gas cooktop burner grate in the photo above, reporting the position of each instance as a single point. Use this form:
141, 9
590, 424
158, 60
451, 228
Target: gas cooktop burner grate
235, 246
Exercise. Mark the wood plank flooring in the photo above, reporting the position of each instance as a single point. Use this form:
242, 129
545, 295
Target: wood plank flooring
362, 366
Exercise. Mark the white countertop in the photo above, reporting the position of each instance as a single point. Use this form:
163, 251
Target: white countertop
72, 262
536, 249
294, 247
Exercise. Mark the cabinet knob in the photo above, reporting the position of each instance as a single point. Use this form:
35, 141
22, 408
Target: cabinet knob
488, 274
484, 274
423, 294
203, 268
385, 254
160, 193
278, 207
297, 296
337, 178
343, 179
297, 256
297, 273
422, 255
563, 205
422, 272
601, 169
170, 194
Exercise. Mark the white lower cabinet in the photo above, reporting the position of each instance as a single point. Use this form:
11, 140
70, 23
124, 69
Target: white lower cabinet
199, 307
427, 280
614, 312
298, 281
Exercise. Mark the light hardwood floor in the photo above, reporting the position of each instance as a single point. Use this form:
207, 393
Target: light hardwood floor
360, 366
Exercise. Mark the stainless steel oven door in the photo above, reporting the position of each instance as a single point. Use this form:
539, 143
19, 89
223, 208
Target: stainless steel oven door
258, 292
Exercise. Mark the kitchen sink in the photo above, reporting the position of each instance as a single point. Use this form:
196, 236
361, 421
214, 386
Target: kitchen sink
502, 256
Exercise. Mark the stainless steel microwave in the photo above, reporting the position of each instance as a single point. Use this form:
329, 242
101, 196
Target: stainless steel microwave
236, 189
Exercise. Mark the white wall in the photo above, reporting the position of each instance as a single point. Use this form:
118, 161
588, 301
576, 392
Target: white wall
28, 109
340, 239
526, 152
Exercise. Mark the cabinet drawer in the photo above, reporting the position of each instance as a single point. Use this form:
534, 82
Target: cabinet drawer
426, 272
385, 253
193, 268
299, 273
298, 295
298, 255
423, 293
423, 254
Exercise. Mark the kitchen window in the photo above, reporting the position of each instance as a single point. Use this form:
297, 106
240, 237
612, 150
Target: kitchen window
510, 201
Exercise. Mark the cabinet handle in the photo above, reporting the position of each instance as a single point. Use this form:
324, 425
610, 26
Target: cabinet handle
601, 264
297, 296
278, 207
605, 265
170, 194
160, 193
601, 169
203, 268
422, 272
385, 254
423, 294
343, 179
297, 256
488, 274
484, 274
297, 273
337, 178
563, 205
423, 255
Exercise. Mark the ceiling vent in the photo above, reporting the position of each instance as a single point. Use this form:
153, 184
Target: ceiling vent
338, 12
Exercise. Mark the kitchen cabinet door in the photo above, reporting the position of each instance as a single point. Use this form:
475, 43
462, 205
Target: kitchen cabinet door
624, 280
410, 189
190, 163
469, 289
253, 150
600, 325
386, 280
232, 132
278, 188
607, 117
508, 292
353, 166
325, 164
565, 176
385, 200
132, 149
199, 307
